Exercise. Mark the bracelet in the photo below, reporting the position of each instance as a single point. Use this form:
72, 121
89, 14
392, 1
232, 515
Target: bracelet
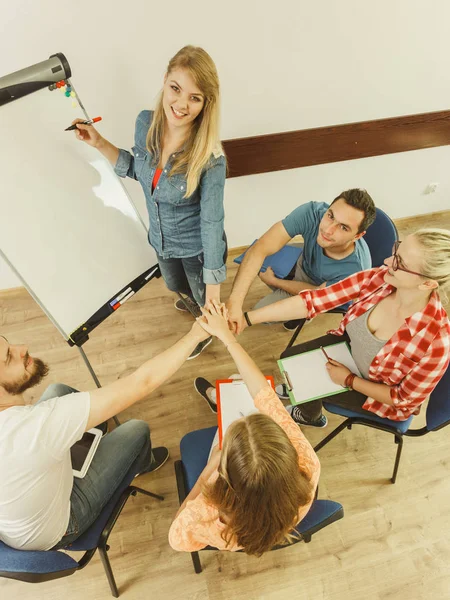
349, 380
249, 323
233, 342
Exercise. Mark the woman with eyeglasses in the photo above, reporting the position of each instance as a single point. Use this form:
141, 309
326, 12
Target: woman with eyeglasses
398, 330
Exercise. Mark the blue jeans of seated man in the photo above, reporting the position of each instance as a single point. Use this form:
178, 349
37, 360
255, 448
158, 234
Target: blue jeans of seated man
185, 276
126, 446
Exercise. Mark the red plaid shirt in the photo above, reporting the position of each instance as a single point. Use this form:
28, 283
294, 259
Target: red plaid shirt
415, 358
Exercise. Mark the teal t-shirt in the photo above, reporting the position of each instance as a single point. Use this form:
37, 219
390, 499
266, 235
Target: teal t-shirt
304, 220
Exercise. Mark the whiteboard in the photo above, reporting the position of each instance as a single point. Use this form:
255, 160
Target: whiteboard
85, 241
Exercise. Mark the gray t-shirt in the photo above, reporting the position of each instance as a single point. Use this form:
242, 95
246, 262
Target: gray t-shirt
365, 346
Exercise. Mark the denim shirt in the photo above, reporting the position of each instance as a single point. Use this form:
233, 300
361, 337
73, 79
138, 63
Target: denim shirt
180, 227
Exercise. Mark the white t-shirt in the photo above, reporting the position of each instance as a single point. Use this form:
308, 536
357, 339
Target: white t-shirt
35, 469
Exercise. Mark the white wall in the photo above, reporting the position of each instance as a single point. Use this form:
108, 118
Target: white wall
284, 66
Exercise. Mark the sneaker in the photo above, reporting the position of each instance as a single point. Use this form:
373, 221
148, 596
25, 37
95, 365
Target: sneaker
281, 391
188, 305
201, 386
292, 325
298, 417
160, 456
199, 348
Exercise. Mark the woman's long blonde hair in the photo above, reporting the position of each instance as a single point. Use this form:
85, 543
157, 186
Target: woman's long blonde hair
260, 487
204, 138
435, 244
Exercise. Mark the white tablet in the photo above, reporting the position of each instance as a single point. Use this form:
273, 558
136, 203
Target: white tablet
82, 452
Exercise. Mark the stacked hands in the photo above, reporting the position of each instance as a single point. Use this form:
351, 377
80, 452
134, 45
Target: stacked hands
215, 321
218, 320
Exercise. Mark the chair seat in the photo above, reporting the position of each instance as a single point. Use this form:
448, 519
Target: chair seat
34, 561
89, 539
399, 426
320, 511
194, 449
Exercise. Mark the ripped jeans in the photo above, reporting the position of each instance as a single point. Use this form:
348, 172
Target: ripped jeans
184, 275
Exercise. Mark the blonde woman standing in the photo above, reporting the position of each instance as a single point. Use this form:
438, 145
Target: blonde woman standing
179, 161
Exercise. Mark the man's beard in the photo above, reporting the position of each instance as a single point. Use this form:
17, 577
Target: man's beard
19, 387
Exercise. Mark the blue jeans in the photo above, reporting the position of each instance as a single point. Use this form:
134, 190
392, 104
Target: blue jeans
128, 446
185, 276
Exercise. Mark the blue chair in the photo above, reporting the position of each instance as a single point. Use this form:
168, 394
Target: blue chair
380, 238
38, 566
437, 417
194, 449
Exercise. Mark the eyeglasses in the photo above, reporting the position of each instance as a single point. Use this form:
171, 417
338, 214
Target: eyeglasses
396, 262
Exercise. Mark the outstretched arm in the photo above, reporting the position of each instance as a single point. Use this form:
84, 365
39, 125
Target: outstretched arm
284, 310
214, 321
115, 397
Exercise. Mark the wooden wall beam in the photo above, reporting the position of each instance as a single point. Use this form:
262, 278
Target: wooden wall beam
321, 145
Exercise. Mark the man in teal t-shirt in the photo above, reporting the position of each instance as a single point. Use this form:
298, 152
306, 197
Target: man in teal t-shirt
333, 249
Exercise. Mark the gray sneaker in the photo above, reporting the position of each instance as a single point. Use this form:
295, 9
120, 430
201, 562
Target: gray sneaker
188, 305
298, 417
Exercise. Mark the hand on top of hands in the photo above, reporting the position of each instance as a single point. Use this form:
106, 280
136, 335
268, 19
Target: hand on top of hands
214, 320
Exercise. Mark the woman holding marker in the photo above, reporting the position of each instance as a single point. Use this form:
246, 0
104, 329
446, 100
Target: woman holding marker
179, 161
253, 492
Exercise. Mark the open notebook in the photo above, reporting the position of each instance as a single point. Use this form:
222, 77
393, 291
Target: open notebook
233, 402
306, 376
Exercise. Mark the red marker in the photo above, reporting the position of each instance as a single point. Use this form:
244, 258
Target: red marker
91, 122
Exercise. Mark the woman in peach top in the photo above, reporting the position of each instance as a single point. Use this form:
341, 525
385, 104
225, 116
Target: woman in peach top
254, 491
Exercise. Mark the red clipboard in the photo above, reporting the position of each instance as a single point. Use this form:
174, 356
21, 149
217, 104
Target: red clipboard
219, 405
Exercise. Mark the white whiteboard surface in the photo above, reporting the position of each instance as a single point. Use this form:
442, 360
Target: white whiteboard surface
67, 225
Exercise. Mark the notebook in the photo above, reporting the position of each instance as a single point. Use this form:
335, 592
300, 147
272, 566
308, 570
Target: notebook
306, 376
281, 262
233, 402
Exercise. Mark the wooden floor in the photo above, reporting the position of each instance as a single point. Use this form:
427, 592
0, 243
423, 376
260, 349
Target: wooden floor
393, 542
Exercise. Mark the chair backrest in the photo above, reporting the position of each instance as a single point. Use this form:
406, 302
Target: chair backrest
380, 238
438, 409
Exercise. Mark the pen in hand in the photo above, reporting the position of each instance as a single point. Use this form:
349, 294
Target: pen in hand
90, 122
326, 355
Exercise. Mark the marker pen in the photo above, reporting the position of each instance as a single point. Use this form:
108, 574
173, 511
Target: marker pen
90, 122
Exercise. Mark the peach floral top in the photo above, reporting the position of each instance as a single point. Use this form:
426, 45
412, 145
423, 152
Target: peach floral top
198, 525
